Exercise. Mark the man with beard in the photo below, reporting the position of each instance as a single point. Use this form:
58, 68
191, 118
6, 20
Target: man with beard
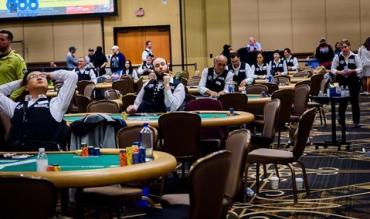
161, 94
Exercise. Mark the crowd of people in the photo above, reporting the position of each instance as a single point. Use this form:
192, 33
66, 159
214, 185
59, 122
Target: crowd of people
31, 111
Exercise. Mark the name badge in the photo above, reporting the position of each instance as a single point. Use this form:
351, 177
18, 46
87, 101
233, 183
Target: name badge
43, 102
242, 70
41, 106
342, 62
351, 61
218, 83
221, 78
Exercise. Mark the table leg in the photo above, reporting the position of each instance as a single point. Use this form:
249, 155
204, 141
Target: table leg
333, 124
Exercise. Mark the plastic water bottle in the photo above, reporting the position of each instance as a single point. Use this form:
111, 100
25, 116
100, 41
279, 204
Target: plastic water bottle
147, 140
42, 160
231, 88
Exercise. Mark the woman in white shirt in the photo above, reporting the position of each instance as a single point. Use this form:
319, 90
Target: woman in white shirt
364, 53
130, 71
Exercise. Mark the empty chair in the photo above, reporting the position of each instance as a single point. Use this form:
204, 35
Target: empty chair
316, 84
282, 79
180, 132
257, 89
204, 104
308, 82
271, 87
125, 85
103, 106
126, 136
89, 90
111, 94
24, 197
81, 86
301, 94
286, 98
128, 100
265, 155
322, 88
238, 101
82, 102
207, 180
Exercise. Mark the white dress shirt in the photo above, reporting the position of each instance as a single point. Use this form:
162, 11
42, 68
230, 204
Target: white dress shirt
335, 63
203, 81
172, 100
248, 73
58, 104
285, 71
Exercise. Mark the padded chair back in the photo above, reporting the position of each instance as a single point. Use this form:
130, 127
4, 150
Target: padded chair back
207, 179
180, 132
89, 89
82, 102
126, 136
204, 104
256, 89
303, 132
128, 100
301, 93
81, 86
282, 79
6, 124
24, 197
103, 106
307, 82
238, 101
270, 115
324, 85
138, 85
125, 85
194, 81
316, 84
271, 87
302, 74
111, 94
238, 144
286, 98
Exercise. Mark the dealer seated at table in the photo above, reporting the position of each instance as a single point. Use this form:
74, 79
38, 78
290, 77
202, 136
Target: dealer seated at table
35, 120
161, 94
214, 80
241, 71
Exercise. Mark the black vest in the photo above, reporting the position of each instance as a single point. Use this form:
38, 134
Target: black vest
216, 84
153, 99
241, 73
290, 62
260, 70
342, 62
277, 67
83, 75
34, 127
145, 66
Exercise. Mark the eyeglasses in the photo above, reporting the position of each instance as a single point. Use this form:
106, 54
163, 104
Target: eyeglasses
33, 76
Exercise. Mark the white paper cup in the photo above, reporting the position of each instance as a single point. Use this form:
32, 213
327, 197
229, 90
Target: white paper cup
274, 181
299, 183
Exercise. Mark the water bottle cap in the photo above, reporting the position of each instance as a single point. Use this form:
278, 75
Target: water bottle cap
146, 124
41, 149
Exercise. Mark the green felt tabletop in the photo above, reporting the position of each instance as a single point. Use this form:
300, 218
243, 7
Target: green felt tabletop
148, 116
67, 162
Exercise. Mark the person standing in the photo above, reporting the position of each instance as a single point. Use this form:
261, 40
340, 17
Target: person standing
117, 61
364, 54
12, 65
100, 61
71, 59
147, 51
347, 67
324, 53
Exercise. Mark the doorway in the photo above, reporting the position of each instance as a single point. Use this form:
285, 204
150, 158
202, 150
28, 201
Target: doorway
131, 41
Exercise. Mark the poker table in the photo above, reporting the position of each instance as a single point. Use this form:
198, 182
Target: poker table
293, 80
209, 118
77, 171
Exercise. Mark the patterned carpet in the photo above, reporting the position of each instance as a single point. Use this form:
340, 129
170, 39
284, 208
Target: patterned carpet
339, 180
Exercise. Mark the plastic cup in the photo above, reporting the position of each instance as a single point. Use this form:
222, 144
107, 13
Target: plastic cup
274, 182
299, 183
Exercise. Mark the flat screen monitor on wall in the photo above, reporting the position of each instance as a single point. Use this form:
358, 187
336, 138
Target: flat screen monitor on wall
32, 9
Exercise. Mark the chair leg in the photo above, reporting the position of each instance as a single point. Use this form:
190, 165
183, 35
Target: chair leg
294, 183
322, 111
279, 135
306, 185
319, 109
258, 178
264, 171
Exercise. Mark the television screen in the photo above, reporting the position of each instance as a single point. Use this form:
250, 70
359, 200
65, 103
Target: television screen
24, 9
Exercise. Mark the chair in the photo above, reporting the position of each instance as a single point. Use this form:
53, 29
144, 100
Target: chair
286, 100
274, 156
183, 145
307, 82
282, 79
194, 81
82, 102
271, 87
318, 83
126, 136
238, 101
238, 144
207, 180
256, 89
81, 86
24, 197
111, 94
5, 125
128, 100
204, 104
125, 85
103, 106
301, 94
138, 85
89, 90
